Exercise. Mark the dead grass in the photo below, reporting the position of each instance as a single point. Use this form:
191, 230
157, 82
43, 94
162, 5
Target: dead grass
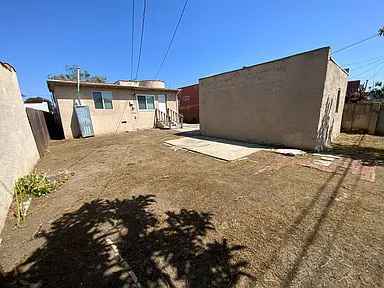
367, 148
185, 219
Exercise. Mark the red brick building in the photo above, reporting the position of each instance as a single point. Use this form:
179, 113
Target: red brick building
352, 89
189, 103
355, 92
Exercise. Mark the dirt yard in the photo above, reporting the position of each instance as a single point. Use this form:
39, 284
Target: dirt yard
131, 207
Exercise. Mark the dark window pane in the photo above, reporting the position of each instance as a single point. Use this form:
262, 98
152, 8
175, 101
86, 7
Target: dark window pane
98, 99
338, 101
150, 102
107, 97
142, 102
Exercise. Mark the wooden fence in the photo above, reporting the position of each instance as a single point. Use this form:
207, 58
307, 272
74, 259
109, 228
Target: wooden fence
39, 129
363, 117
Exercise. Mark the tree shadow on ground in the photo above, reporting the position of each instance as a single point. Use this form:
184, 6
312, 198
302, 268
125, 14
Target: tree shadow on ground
369, 156
109, 243
311, 220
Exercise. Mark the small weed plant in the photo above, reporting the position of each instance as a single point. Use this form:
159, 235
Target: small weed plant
29, 186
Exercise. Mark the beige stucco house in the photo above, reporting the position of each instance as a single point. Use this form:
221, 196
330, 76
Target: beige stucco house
114, 107
296, 101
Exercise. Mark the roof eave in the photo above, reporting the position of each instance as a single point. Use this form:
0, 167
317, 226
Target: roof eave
52, 83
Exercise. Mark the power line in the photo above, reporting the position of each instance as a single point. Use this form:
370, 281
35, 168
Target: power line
141, 38
379, 33
369, 69
366, 71
172, 39
366, 64
132, 36
356, 43
378, 70
361, 61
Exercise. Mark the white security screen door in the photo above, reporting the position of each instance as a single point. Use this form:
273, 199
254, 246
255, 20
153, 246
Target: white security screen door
161, 103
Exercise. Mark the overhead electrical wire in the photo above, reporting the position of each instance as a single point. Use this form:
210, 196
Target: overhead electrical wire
141, 38
361, 62
355, 44
132, 36
378, 70
365, 65
172, 39
365, 72
359, 74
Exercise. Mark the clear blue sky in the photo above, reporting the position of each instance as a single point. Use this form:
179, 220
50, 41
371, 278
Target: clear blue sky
41, 37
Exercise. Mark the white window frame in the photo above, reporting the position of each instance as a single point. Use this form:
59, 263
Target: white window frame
102, 98
146, 102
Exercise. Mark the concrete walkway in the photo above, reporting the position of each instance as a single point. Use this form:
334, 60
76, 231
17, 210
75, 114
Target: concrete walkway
188, 128
223, 149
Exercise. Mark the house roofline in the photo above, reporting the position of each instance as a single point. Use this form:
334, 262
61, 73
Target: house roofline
52, 83
141, 80
196, 84
341, 68
8, 66
268, 62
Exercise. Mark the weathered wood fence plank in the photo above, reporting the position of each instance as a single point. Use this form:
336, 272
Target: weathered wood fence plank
39, 129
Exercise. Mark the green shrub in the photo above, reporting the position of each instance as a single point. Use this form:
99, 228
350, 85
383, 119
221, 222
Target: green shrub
34, 185
31, 185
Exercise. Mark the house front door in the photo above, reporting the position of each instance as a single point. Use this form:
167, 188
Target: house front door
161, 103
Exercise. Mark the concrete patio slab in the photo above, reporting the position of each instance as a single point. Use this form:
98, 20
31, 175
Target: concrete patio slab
188, 128
214, 147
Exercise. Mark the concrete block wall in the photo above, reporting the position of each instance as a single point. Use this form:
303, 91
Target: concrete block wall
363, 117
18, 152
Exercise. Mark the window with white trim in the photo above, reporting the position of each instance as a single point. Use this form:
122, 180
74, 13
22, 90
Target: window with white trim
146, 102
102, 99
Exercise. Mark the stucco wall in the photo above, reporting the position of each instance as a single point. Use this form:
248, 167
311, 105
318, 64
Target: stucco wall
276, 102
18, 148
331, 115
124, 116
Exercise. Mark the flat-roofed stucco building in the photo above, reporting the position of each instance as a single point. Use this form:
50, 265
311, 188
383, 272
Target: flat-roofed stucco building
296, 101
19, 152
114, 107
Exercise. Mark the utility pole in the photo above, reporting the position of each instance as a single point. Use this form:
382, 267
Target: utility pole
78, 85
381, 31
